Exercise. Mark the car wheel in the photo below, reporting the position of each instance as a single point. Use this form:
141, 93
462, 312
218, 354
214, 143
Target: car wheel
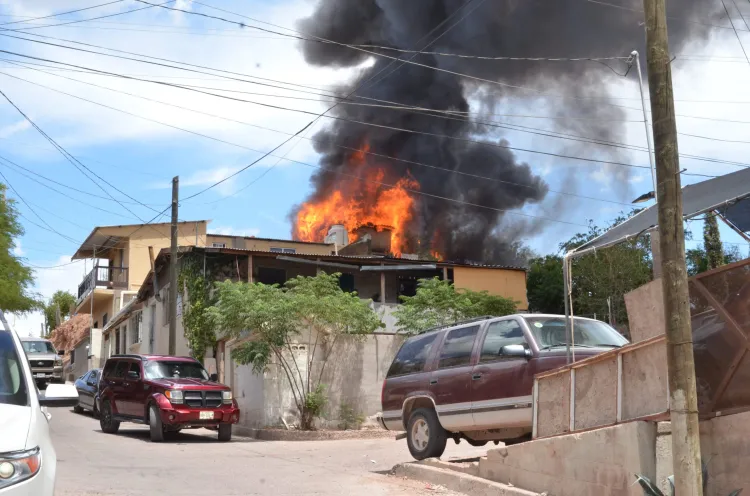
95, 411
157, 426
425, 436
107, 421
225, 432
78, 409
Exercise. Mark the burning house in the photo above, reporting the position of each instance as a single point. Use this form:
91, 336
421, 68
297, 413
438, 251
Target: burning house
440, 171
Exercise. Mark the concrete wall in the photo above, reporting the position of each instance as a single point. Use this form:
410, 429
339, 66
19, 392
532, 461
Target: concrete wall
353, 376
645, 307
508, 283
725, 446
601, 462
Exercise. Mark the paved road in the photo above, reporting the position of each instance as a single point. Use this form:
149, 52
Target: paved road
92, 463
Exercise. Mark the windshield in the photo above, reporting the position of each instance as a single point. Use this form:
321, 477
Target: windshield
34, 347
12, 385
175, 370
550, 331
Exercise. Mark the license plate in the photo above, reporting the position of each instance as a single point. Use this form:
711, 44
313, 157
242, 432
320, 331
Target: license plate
41, 374
206, 415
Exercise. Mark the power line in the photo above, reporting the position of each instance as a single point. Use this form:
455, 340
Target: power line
63, 13
735, 29
89, 19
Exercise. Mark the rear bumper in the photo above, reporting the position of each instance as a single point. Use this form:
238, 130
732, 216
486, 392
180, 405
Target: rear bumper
379, 418
191, 417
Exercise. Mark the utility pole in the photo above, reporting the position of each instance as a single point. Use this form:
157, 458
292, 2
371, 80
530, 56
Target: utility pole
173, 270
680, 361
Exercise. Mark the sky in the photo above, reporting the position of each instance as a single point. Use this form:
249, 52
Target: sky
138, 135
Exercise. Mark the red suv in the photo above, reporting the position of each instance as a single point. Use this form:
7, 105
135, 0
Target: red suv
473, 380
166, 393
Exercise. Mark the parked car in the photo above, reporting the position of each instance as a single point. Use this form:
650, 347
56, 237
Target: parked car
88, 392
473, 380
166, 393
27, 458
46, 363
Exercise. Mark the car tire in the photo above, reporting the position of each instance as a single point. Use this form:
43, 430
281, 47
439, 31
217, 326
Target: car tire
156, 425
425, 436
225, 433
95, 411
77, 409
106, 421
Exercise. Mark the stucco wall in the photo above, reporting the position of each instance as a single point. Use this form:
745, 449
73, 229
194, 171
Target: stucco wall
245, 243
353, 376
594, 463
645, 311
507, 283
725, 446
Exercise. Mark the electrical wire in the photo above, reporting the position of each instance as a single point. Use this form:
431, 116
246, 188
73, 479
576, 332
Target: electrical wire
735, 29
63, 13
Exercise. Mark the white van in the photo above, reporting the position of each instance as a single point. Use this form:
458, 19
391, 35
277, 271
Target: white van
27, 457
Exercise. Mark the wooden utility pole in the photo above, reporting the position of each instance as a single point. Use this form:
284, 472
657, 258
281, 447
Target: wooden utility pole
680, 362
173, 270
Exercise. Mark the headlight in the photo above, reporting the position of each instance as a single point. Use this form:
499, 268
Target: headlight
175, 396
226, 397
58, 361
17, 466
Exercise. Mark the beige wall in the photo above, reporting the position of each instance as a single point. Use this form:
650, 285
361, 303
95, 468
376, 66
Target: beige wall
244, 243
502, 282
158, 236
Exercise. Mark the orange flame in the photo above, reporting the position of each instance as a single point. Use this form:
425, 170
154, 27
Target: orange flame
436, 255
365, 199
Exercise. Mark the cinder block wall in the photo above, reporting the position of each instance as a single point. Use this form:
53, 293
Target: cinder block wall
594, 463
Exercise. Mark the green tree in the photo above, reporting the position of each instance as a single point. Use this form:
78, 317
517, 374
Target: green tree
311, 310
65, 301
712, 242
544, 285
440, 303
697, 259
16, 279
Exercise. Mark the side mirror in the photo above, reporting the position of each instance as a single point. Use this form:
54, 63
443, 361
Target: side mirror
133, 375
515, 350
59, 395
214, 377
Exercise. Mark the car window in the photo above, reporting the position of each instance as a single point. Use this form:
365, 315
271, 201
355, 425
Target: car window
551, 331
499, 334
120, 370
85, 377
109, 367
175, 370
412, 356
93, 376
457, 347
13, 389
135, 367
33, 347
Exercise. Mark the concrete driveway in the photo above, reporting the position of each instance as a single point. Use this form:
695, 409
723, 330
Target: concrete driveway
93, 463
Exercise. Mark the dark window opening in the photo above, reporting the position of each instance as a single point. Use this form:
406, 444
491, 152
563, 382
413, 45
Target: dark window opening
346, 283
117, 342
105, 317
269, 275
407, 286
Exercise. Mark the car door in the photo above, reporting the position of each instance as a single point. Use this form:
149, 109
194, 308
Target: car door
116, 384
130, 383
137, 390
450, 381
91, 387
501, 382
81, 387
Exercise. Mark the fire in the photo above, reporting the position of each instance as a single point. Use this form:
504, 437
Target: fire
365, 199
436, 255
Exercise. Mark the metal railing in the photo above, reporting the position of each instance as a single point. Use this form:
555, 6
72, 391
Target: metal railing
103, 276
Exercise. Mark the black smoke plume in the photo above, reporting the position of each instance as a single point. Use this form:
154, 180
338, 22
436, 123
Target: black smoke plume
517, 28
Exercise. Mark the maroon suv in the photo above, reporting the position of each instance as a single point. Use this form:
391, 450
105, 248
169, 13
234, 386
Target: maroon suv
473, 380
166, 393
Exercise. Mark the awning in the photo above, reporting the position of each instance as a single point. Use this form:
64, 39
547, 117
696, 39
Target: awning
722, 193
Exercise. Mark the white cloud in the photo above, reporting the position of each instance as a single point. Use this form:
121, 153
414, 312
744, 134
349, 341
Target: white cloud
17, 250
233, 231
207, 177
11, 129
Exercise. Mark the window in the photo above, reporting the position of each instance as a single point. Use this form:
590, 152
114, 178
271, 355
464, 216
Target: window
291, 251
137, 327
268, 275
109, 367
121, 370
457, 347
499, 334
218, 245
134, 367
346, 283
178, 370
550, 332
412, 356
93, 378
31, 347
72, 356
105, 317
117, 342
12, 385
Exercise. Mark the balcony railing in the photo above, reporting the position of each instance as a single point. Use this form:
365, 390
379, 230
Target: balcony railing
104, 277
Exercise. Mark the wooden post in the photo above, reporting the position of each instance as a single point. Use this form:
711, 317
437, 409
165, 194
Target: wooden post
382, 285
220, 360
686, 451
250, 269
445, 273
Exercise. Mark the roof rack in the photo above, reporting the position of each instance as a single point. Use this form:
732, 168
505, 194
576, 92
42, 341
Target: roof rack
128, 355
460, 322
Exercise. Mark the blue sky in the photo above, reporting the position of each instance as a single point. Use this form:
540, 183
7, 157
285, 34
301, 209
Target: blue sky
140, 157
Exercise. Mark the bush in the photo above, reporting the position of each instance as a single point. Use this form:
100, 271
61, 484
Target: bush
349, 418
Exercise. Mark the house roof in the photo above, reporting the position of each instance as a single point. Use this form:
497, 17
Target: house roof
70, 333
98, 242
271, 239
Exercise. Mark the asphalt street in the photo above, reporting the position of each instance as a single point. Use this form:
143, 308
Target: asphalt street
91, 463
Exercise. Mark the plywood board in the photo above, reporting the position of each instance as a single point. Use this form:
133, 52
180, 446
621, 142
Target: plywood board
596, 394
645, 381
554, 405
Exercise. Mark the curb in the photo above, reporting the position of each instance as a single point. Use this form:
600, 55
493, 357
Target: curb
297, 435
457, 481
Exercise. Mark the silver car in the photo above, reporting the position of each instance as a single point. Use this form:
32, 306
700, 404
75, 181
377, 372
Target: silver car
46, 364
